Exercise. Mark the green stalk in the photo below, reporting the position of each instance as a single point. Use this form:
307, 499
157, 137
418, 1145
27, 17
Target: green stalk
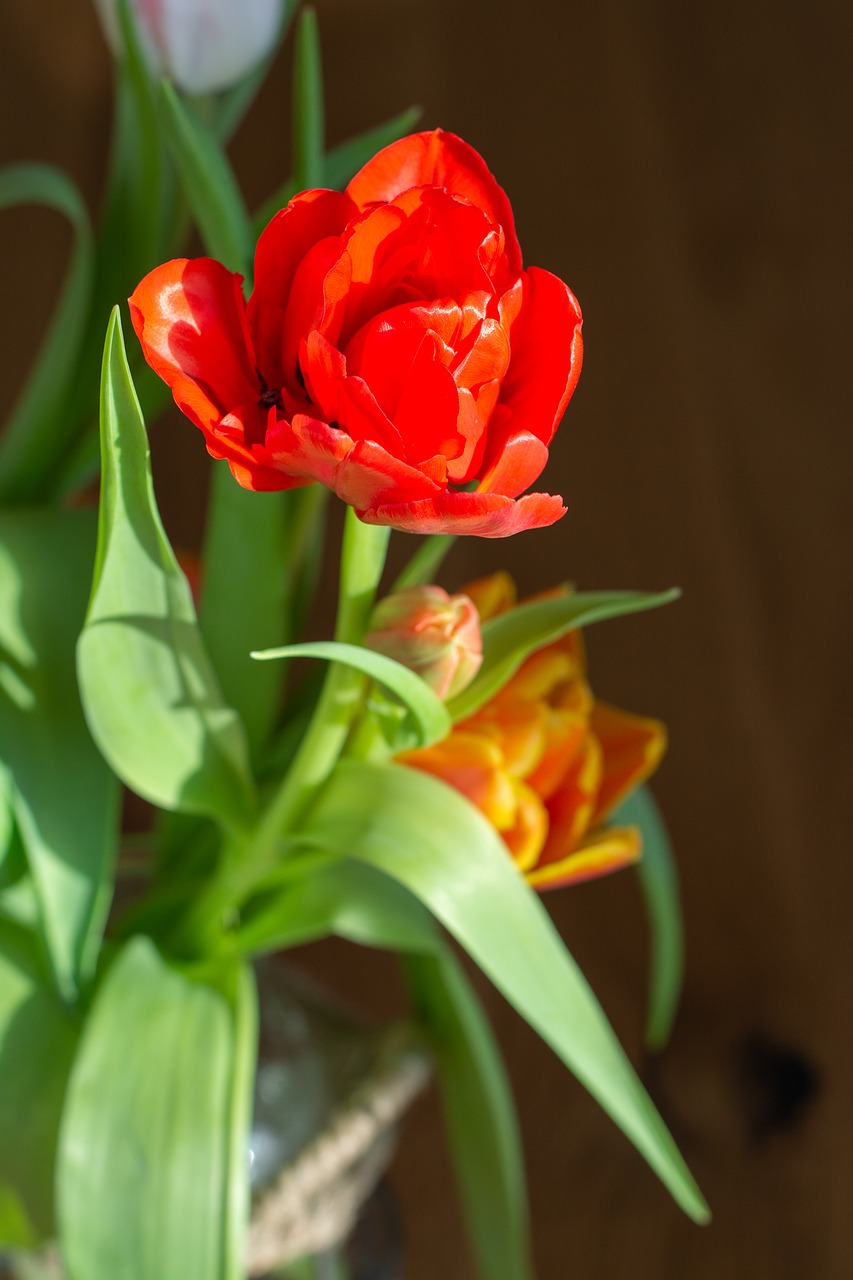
246, 863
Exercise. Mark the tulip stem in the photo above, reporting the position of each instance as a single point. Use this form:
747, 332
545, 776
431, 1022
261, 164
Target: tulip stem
245, 863
362, 562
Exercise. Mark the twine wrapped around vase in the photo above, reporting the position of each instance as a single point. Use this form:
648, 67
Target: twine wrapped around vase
313, 1203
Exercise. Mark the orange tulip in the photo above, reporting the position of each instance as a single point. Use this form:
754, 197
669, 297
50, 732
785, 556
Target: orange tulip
546, 762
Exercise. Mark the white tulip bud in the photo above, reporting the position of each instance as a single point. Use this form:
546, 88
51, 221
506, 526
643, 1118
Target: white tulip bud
202, 45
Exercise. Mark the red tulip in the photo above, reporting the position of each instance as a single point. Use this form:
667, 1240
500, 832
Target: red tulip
393, 349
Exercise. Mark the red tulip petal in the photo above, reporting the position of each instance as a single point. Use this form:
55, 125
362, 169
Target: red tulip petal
485, 515
545, 364
426, 246
518, 461
631, 746
347, 401
437, 159
190, 318
288, 238
362, 473
251, 464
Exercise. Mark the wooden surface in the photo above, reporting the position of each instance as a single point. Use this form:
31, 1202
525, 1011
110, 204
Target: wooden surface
686, 169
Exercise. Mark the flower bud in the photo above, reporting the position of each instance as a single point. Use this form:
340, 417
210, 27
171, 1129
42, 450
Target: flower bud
202, 45
432, 633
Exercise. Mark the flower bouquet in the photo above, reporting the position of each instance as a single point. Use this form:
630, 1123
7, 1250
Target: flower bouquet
413, 782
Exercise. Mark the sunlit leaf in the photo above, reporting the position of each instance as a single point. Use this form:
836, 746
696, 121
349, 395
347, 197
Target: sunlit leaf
148, 689
428, 711
359, 903
426, 835
145, 1157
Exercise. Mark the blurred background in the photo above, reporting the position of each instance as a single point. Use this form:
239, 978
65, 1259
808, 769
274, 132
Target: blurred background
687, 170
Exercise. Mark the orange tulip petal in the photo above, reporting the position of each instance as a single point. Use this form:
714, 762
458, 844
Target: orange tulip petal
530, 829
632, 747
599, 855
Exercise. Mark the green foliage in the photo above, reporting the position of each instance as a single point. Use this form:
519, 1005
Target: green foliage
308, 110
209, 184
659, 882
514, 635
429, 715
63, 796
458, 866
37, 1041
479, 1115
357, 902
152, 1158
244, 610
149, 691
39, 431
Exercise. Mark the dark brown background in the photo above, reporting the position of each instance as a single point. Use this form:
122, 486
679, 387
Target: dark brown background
685, 168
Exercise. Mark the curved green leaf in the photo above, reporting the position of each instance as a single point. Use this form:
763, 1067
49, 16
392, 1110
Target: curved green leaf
38, 430
65, 799
209, 183
659, 882
149, 692
513, 636
428, 711
146, 1158
426, 835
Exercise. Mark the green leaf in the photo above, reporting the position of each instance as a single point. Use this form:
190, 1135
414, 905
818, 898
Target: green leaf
429, 713
659, 883
245, 596
513, 636
335, 895
308, 114
65, 800
359, 903
479, 1114
238, 1189
37, 1041
345, 160
426, 561
38, 430
209, 184
148, 689
146, 1159
430, 838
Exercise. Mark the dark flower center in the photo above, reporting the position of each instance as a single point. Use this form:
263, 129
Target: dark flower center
270, 397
